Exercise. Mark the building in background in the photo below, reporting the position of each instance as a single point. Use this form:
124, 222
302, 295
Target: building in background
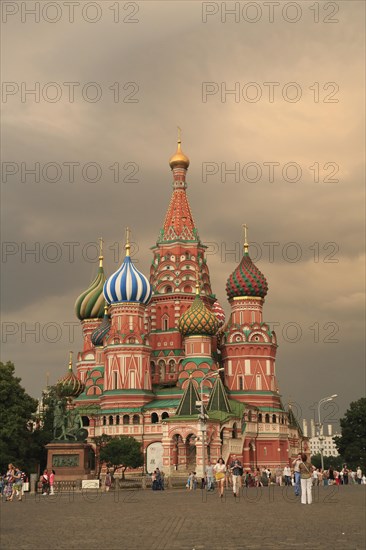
325, 440
153, 346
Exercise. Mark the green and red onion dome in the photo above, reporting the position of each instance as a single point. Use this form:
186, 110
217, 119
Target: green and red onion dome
90, 304
246, 280
219, 312
102, 331
198, 320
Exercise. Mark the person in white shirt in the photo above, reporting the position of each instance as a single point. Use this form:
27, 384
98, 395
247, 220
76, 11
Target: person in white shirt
315, 478
287, 474
359, 475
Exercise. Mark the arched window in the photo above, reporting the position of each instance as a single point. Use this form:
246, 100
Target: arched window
260, 419
168, 289
115, 380
152, 367
85, 420
110, 420
135, 419
162, 369
165, 322
274, 418
233, 435
154, 418
249, 416
126, 419
164, 415
171, 365
117, 419
266, 418
104, 420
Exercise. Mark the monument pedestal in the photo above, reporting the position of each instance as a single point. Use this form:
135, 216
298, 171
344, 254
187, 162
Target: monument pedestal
71, 461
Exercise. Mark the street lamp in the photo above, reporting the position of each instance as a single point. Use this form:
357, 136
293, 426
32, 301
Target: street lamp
202, 416
320, 425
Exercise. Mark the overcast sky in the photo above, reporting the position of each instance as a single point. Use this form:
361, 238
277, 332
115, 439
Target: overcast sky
296, 112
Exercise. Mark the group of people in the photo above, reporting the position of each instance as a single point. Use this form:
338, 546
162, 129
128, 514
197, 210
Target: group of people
11, 483
157, 480
48, 482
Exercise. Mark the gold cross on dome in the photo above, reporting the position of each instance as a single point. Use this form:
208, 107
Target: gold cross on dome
246, 245
127, 245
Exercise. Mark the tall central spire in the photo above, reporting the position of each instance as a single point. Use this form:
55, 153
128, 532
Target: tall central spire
179, 224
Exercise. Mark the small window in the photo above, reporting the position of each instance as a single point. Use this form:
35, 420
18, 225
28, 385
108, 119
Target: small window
154, 418
117, 420
110, 420
267, 418
126, 419
164, 415
136, 419
104, 420
274, 418
260, 419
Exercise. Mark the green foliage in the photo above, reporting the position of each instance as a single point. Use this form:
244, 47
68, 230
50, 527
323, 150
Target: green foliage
17, 444
335, 461
352, 443
122, 452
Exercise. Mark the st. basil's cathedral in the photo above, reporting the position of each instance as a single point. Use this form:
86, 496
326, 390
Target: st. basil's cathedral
154, 346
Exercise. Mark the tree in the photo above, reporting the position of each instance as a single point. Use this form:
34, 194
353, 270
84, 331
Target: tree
17, 444
100, 442
122, 452
335, 461
352, 443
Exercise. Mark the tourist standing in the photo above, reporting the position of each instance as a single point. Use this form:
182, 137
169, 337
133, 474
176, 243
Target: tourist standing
45, 483
278, 475
287, 474
108, 481
52, 482
237, 472
359, 475
305, 468
18, 483
9, 481
209, 477
296, 465
220, 471
331, 476
345, 472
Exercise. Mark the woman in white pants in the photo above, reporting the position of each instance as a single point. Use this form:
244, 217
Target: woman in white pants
306, 469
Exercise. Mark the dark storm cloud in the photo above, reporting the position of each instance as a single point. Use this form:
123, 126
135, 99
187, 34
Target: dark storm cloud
164, 60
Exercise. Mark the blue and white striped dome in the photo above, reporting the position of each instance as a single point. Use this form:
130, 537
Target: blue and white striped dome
127, 285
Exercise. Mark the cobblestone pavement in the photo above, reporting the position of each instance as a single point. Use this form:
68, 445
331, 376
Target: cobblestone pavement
181, 520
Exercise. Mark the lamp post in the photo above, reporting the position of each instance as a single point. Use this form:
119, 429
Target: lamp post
202, 416
320, 425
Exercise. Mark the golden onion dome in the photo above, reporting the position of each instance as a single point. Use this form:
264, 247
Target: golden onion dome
69, 385
179, 159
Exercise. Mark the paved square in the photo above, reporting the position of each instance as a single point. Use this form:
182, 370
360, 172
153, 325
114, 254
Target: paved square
177, 519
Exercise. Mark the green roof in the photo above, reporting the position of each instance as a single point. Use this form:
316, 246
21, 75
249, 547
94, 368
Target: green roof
218, 399
187, 406
121, 410
162, 404
270, 409
128, 392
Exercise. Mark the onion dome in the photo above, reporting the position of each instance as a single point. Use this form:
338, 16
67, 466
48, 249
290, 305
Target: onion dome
246, 280
179, 159
198, 319
127, 284
90, 304
70, 385
101, 332
219, 312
